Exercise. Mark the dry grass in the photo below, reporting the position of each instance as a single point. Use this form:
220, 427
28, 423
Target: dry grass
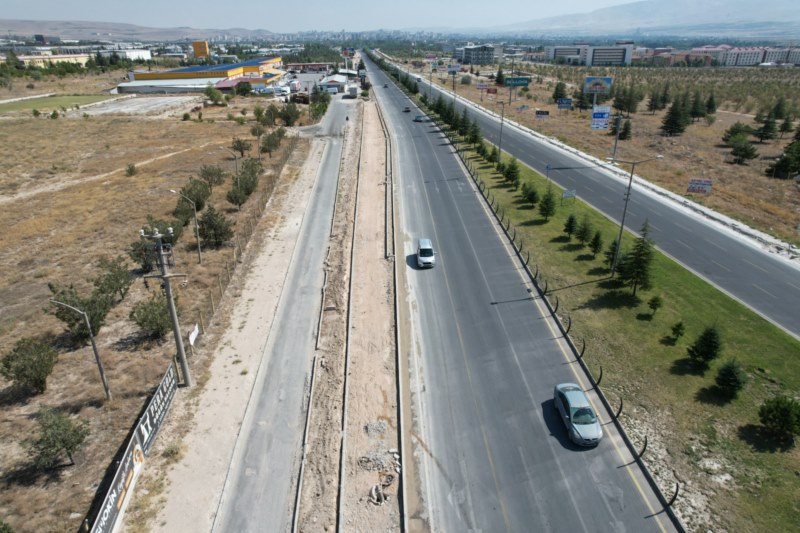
66, 202
742, 192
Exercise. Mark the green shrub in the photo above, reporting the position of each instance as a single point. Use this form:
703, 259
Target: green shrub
130, 170
152, 316
58, 435
780, 416
731, 378
706, 348
29, 364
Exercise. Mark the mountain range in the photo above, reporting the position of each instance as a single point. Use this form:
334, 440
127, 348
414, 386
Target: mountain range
736, 19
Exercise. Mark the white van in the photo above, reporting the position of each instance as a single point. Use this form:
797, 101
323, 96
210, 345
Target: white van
426, 258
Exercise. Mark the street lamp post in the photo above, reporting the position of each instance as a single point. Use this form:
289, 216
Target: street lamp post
94, 346
500, 142
196, 226
633, 164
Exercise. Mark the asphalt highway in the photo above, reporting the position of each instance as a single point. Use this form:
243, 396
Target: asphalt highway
492, 455
766, 283
259, 493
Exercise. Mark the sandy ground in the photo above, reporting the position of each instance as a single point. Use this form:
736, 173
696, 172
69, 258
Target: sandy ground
180, 492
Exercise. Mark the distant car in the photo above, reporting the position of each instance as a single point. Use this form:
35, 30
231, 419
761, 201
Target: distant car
406, 109
577, 414
426, 258
419, 118
385, 85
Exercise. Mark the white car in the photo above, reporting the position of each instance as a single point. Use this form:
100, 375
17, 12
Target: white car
577, 414
426, 257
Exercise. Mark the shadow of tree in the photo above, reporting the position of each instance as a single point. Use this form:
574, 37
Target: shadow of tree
534, 222
612, 284
560, 238
584, 257
668, 340
611, 300
29, 474
137, 341
687, 367
598, 271
572, 247
646, 317
760, 440
15, 395
713, 395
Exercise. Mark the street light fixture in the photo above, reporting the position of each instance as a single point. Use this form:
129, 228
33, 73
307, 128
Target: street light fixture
500, 142
196, 226
625, 209
94, 346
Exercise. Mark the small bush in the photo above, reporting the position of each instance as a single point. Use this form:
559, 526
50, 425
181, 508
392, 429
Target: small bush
57, 435
29, 364
731, 378
130, 170
706, 348
152, 316
186, 116
655, 303
780, 416
54, 115
36, 113
678, 329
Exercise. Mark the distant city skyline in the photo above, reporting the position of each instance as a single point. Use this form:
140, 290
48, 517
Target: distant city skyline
288, 17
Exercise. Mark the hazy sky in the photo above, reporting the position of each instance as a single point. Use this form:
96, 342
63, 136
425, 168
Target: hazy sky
289, 16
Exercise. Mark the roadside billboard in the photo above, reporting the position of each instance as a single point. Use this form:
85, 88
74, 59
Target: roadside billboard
516, 82
600, 114
699, 186
597, 84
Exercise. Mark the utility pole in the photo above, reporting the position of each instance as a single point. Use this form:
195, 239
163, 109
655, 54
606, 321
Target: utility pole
616, 137
94, 346
500, 142
166, 278
454, 92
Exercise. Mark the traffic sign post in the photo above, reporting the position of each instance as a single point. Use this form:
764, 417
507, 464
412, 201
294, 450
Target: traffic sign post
600, 114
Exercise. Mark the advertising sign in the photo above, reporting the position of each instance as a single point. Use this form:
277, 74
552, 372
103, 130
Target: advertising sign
522, 108
362, 73
481, 86
516, 82
600, 115
120, 490
597, 85
542, 113
491, 90
699, 186
570, 193
564, 103
453, 69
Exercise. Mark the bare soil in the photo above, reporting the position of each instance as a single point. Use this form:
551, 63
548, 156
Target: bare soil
66, 201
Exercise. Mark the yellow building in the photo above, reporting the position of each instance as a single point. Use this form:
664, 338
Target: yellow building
263, 67
200, 49
44, 60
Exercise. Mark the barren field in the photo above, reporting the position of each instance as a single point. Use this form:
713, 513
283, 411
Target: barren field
742, 192
66, 200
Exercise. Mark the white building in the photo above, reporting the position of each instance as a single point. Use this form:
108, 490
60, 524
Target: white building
744, 57
132, 54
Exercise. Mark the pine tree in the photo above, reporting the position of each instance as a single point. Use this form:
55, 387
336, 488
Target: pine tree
584, 231
547, 207
638, 263
780, 111
625, 134
786, 126
741, 149
608, 255
788, 164
768, 130
570, 226
560, 91
697, 109
711, 105
673, 123
665, 98
597, 244
736, 129
706, 348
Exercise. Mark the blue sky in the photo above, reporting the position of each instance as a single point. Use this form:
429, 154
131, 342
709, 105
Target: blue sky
284, 16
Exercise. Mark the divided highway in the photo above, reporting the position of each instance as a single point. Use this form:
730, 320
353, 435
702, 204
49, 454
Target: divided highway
768, 284
484, 357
